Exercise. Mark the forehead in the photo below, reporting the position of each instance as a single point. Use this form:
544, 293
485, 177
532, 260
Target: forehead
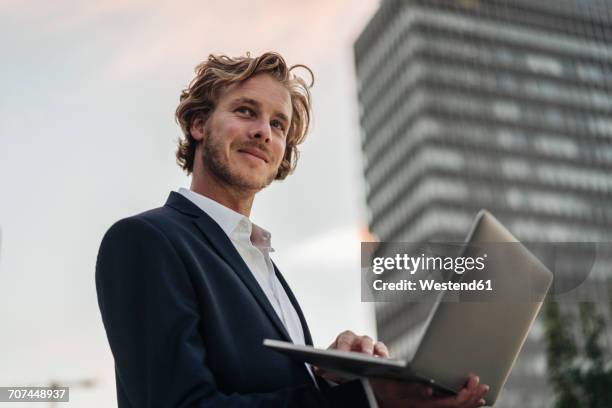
263, 88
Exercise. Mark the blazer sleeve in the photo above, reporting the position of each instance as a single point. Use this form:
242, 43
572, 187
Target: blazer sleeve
150, 314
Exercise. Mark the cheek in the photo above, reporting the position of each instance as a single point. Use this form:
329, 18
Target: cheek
233, 128
279, 150
228, 136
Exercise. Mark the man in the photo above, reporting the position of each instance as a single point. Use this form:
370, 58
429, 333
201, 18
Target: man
188, 291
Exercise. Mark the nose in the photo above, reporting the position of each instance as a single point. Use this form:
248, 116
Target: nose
261, 131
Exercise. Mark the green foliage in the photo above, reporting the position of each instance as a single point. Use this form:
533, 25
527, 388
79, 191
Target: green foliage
578, 371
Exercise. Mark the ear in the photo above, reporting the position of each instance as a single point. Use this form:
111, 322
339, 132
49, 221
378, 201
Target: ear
197, 126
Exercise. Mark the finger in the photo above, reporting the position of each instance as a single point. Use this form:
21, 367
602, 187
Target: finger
463, 396
483, 389
381, 350
471, 393
480, 391
477, 393
364, 344
472, 382
344, 341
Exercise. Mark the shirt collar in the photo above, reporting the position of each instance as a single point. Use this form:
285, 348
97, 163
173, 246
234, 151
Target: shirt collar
234, 224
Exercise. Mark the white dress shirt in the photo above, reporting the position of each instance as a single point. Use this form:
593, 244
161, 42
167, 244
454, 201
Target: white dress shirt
253, 243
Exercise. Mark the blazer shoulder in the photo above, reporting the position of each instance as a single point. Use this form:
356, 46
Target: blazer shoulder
138, 226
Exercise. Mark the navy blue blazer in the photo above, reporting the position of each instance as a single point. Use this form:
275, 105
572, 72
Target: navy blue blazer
185, 319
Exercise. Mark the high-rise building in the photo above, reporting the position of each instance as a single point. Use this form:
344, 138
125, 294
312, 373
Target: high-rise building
497, 104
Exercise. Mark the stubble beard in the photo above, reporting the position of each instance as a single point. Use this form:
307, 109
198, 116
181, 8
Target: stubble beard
212, 160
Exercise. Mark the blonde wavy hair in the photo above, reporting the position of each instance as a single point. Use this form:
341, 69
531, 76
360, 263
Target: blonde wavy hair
214, 75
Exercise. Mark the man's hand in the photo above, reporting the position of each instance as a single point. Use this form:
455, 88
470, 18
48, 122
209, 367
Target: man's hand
349, 341
396, 394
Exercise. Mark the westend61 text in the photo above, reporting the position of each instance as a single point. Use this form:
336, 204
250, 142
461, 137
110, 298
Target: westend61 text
430, 284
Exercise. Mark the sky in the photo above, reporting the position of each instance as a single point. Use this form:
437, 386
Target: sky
87, 136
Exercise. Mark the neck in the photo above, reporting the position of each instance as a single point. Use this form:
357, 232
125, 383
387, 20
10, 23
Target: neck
233, 198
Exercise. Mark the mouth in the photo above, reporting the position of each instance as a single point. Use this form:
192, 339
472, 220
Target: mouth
254, 153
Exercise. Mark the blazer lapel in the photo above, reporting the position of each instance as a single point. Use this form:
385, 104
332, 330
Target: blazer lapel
217, 238
296, 306
321, 382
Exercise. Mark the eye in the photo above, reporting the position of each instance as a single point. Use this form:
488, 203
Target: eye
246, 110
277, 124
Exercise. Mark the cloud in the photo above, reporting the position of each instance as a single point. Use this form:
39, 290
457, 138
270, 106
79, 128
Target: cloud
119, 40
179, 36
64, 15
337, 249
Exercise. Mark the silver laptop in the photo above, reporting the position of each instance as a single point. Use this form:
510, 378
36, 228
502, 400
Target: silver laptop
479, 333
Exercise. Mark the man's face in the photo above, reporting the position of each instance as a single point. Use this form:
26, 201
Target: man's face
243, 140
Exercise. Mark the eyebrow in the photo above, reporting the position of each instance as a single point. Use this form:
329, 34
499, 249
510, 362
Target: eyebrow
255, 103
